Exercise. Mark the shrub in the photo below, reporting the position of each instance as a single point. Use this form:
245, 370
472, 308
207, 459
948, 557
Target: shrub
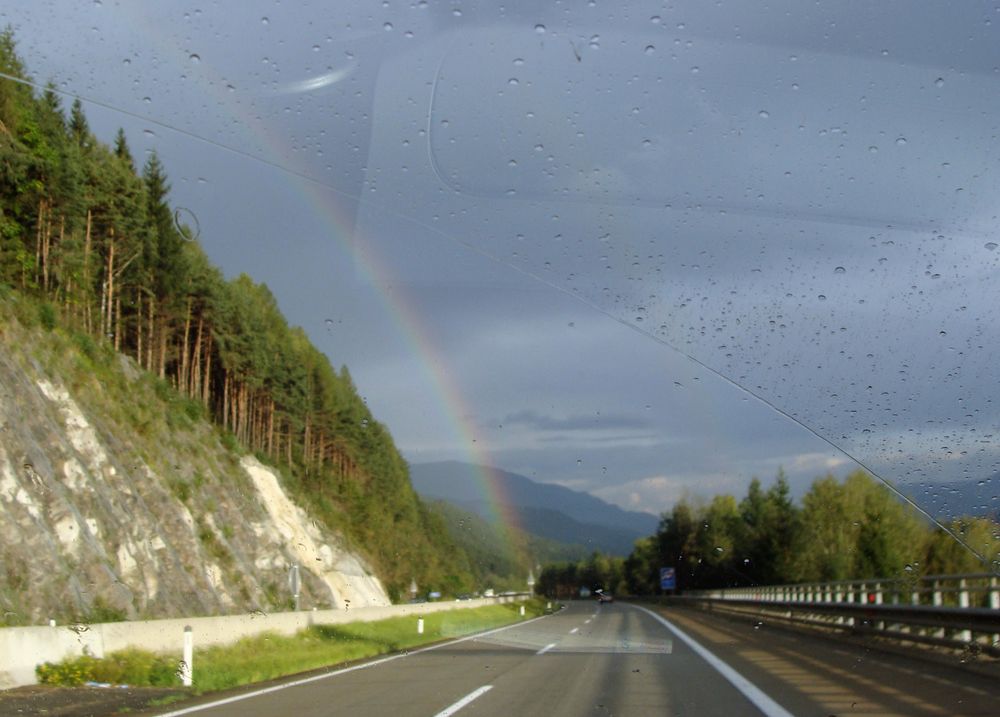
47, 315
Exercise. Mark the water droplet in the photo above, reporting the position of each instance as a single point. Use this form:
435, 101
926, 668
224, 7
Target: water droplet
540, 29
655, 19
149, 132
147, 100
821, 297
315, 48
763, 114
518, 61
900, 141
990, 245
194, 58
650, 49
387, 27
264, 20
695, 70
840, 270
126, 61
511, 162
187, 224
873, 149
939, 82
512, 81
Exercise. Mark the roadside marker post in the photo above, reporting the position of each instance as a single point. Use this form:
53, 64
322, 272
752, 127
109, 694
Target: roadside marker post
420, 626
522, 611
187, 668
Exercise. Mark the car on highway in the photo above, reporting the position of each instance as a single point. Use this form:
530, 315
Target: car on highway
726, 272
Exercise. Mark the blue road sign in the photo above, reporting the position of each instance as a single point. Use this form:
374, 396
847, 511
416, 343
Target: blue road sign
668, 579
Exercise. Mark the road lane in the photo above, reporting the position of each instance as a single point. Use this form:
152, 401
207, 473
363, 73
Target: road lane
586, 659
620, 659
819, 674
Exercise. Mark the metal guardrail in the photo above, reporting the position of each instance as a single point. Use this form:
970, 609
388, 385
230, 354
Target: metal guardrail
960, 611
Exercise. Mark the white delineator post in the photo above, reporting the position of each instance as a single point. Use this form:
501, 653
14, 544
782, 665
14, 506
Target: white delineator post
522, 611
420, 626
187, 668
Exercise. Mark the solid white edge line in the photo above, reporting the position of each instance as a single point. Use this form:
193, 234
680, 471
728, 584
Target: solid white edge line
334, 673
749, 690
546, 648
448, 711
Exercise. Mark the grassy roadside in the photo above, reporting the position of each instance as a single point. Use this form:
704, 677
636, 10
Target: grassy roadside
268, 656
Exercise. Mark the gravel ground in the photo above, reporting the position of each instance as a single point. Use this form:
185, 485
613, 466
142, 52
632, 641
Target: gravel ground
80, 701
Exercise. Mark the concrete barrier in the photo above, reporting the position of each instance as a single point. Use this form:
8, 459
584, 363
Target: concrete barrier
23, 648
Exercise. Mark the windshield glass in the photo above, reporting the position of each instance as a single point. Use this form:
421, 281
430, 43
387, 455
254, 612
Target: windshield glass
650, 253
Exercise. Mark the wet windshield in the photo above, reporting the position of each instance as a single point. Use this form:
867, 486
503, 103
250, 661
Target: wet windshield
722, 272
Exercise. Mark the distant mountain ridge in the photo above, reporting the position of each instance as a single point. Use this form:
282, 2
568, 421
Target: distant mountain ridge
543, 509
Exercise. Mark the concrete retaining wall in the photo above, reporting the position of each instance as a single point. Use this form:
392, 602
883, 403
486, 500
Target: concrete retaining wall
22, 648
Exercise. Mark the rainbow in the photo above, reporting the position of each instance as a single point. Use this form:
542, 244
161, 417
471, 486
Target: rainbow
371, 269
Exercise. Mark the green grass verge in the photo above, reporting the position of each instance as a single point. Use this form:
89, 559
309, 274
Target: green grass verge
270, 655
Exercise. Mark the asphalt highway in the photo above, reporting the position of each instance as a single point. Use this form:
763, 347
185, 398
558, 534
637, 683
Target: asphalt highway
619, 659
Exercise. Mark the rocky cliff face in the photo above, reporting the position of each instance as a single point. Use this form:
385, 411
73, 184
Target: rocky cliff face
117, 500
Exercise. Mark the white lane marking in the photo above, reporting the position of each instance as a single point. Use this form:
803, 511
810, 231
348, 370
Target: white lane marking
587, 621
334, 673
573, 631
447, 711
546, 648
753, 693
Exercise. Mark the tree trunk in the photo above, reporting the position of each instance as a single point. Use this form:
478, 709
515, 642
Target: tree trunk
182, 372
195, 384
206, 384
138, 326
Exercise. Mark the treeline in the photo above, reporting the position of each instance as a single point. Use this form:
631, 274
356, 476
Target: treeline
93, 236
850, 529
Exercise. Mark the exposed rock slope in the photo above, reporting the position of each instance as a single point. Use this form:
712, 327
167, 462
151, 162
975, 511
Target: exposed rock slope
117, 500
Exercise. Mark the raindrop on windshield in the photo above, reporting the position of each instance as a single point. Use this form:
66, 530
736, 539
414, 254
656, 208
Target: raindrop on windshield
939, 82
387, 27
540, 29
187, 224
900, 141
195, 58
990, 245
763, 114
650, 49
840, 270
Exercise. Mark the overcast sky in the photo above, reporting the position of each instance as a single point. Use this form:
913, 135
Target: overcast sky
518, 226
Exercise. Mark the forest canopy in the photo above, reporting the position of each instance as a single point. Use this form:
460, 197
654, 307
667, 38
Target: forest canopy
849, 529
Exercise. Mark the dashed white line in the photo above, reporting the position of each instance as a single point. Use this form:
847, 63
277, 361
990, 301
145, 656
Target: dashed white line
464, 701
546, 648
574, 631
587, 621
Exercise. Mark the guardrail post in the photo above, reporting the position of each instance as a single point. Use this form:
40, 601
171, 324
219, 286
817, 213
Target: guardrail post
995, 605
937, 601
850, 599
963, 601
187, 660
838, 597
880, 624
